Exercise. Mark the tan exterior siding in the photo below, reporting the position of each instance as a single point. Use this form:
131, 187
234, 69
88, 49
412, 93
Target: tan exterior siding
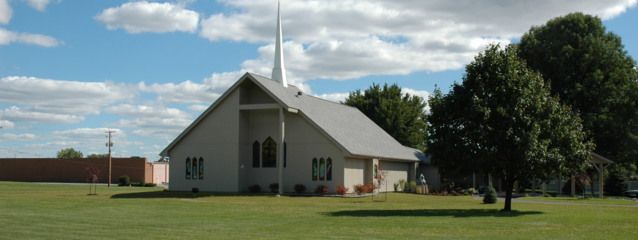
225, 137
394, 171
304, 143
160, 173
354, 172
216, 140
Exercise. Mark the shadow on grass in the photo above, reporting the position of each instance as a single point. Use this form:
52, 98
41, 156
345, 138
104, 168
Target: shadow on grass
167, 194
431, 213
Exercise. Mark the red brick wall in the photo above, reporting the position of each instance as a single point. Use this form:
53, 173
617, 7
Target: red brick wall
72, 170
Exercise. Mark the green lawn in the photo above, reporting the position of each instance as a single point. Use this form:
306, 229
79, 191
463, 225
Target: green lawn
55, 211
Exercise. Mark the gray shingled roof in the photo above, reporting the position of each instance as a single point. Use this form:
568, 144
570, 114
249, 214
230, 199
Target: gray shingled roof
345, 125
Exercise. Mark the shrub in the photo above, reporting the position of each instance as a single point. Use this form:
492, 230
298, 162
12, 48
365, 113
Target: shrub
124, 181
402, 185
150, 185
412, 186
490, 196
300, 188
254, 188
471, 191
274, 187
396, 187
369, 187
195, 190
359, 189
321, 189
341, 190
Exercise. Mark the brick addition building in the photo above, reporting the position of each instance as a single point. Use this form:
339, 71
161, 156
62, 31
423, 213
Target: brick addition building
74, 170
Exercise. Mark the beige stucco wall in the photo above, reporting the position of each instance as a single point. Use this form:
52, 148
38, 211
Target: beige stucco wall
215, 139
394, 171
304, 142
160, 173
224, 139
354, 172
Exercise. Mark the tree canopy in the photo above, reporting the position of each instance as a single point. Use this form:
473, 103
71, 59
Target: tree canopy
69, 153
588, 68
400, 115
502, 120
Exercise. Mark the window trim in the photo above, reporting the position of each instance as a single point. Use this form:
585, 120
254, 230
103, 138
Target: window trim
195, 171
329, 169
315, 169
201, 168
322, 169
256, 154
187, 173
269, 153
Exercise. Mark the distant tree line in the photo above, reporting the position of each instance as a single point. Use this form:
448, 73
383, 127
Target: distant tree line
71, 153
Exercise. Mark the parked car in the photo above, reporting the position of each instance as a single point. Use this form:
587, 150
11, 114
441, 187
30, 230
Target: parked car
632, 193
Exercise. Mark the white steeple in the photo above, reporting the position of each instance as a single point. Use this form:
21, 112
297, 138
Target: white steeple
279, 70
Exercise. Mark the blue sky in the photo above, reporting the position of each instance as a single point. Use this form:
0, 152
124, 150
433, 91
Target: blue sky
69, 70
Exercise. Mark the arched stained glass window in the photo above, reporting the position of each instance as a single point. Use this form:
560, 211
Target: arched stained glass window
269, 153
188, 168
195, 169
256, 146
322, 169
201, 168
315, 169
329, 169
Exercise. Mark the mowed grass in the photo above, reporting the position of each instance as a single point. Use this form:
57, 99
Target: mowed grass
57, 211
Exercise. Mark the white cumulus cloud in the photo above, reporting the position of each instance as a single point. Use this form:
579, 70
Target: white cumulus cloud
39, 5
8, 37
336, 39
152, 120
17, 114
341, 96
6, 124
5, 12
17, 137
143, 16
60, 96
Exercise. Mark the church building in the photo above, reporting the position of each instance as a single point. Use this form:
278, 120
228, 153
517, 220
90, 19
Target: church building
263, 131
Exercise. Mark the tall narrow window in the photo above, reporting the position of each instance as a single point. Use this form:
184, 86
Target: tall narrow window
188, 168
269, 153
322, 169
329, 169
195, 169
315, 169
285, 154
201, 168
256, 154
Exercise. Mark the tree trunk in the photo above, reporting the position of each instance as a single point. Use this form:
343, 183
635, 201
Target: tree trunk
509, 188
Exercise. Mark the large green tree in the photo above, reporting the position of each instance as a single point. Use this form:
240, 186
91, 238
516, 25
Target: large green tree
69, 153
502, 120
588, 68
401, 115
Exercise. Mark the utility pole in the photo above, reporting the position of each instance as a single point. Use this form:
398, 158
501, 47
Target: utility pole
109, 144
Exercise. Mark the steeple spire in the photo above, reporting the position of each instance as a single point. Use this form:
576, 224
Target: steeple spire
279, 70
